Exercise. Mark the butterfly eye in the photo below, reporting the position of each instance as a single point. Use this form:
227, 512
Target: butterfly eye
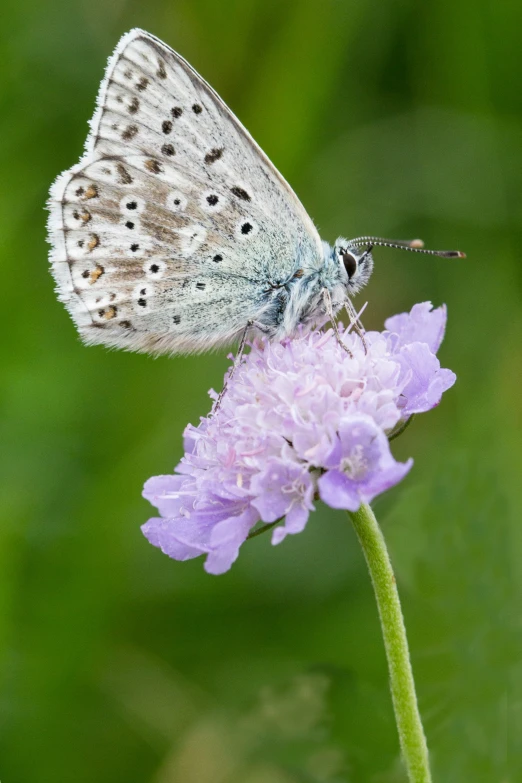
350, 263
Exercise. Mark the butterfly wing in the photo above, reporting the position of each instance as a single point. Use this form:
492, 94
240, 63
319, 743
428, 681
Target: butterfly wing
166, 233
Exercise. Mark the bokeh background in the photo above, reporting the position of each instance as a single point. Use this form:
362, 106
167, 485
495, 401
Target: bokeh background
119, 665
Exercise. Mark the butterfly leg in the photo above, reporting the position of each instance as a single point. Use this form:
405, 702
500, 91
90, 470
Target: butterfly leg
237, 362
357, 325
329, 310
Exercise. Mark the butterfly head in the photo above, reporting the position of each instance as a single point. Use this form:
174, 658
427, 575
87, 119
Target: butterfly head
355, 263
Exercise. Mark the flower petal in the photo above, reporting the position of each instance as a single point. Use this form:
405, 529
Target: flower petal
338, 491
162, 532
427, 381
165, 492
295, 522
279, 487
422, 324
226, 538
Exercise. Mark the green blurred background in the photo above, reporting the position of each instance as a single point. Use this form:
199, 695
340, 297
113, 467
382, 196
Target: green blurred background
119, 665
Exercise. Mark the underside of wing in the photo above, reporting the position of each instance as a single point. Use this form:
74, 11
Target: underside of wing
165, 234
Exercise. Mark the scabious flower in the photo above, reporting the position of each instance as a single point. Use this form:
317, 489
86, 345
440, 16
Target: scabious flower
300, 419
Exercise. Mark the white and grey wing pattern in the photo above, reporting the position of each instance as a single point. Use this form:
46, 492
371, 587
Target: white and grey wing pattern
165, 234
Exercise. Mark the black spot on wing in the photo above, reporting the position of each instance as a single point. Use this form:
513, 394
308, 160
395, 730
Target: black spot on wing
129, 132
213, 155
125, 177
153, 166
240, 193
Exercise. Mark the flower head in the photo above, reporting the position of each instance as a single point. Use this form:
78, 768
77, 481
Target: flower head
300, 419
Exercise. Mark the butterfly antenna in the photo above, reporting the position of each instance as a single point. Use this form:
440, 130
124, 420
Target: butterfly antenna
413, 245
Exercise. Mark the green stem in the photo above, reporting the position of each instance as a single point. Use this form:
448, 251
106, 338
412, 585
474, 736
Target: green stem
400, 429
263, 528
411, 733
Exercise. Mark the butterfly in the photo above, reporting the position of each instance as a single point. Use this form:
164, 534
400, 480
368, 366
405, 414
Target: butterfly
175, 233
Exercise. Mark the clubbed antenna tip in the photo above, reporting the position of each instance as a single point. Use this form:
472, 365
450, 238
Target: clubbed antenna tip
413, 245
452, 254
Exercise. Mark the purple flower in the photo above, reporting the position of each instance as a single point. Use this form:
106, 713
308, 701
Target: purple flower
300, 419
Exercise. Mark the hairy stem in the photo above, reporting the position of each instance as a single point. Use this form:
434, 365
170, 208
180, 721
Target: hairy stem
411, 733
